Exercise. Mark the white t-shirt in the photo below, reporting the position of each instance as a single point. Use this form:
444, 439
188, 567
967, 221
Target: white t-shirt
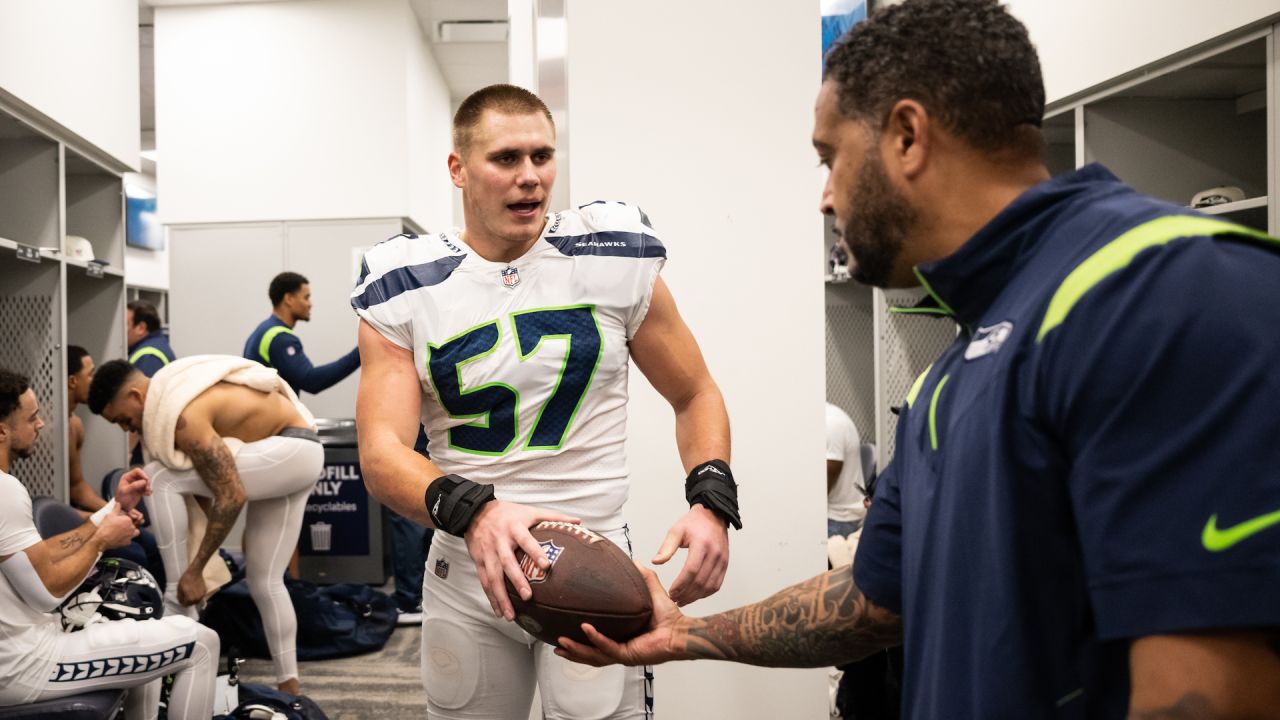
523, 365
27, 637
844, 502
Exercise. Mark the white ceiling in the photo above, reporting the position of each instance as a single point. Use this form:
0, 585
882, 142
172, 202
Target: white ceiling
466, 67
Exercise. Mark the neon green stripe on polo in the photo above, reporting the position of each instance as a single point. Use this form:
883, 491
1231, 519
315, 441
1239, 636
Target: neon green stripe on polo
933, 412
1117, 254
264, 346
144, 352
915, 386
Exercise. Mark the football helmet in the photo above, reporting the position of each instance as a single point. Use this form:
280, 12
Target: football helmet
115, 589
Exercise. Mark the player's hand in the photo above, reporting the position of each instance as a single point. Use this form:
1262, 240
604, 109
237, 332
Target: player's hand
663, 640
133, 486
116, 530
136, 516
191, 587
706, 536
496, 531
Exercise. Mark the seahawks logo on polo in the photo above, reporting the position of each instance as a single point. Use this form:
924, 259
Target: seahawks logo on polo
988, 340
124, 665
530, 568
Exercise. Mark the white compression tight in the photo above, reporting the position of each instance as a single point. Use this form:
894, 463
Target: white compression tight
278, 475
136, 655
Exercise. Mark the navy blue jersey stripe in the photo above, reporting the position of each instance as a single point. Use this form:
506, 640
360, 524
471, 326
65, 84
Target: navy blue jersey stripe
612, 243
404, 279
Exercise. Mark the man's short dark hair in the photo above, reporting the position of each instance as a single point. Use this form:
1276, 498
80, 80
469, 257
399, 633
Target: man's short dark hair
107, 381
283, 284
12, 386
506, 99
145, 312
75, 358
970, 63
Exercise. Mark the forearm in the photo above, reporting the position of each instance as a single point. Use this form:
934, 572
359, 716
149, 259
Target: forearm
298, 370
217, 468
1192, 706
397, 475
71, 555
820, 622
83, 497
702, 428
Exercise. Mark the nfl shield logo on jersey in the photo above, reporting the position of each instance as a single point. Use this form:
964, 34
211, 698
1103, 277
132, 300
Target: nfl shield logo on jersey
442, 568
531, 570
510, 277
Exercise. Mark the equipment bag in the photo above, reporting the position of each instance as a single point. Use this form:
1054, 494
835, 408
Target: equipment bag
333, 621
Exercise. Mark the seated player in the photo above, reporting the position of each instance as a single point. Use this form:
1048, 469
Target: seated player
40, 662
232, 434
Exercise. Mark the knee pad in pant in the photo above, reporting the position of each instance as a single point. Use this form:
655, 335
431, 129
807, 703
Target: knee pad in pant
450, 663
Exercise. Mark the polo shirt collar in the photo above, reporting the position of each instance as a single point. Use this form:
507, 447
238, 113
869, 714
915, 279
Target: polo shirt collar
966, 283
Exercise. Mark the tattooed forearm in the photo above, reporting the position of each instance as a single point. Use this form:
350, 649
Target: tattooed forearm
70, 542
822, 621
1192, 706
217, 468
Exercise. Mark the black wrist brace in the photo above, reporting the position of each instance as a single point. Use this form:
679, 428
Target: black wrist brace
452, 501
711, 485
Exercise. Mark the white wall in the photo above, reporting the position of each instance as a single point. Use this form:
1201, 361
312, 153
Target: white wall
293, 110
1087, 42
76, 61
430, 118
701, 113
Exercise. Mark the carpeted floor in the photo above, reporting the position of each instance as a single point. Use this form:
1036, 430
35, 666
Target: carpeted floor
379, 686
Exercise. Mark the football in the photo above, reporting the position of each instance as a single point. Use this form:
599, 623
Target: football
590, 580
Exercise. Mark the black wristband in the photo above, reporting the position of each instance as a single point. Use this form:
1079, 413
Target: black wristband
452, 501
711, 485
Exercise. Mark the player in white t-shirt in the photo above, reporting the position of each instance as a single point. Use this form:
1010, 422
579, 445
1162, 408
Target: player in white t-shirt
845, 508
510, 342
37, 660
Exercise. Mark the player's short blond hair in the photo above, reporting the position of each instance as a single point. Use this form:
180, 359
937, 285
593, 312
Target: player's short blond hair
507, 99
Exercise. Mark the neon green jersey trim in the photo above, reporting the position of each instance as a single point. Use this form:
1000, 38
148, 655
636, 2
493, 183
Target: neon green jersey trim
929, 289
1118, 253
264, 346
918, 311
933, 412
915, 386
1217, 539
144, 352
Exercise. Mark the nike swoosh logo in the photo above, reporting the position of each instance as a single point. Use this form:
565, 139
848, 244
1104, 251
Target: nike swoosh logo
1217, 540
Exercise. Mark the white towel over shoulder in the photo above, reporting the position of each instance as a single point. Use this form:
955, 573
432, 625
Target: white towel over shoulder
181, 381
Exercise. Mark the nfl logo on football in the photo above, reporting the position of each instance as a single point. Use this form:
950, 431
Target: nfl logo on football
510, 277
531, 570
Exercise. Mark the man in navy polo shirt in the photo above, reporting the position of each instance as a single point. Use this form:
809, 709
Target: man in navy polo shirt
274, 343
149, 348
1082, 519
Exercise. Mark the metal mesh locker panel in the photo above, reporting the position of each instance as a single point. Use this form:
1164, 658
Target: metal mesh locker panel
851, 372
905, 346
30, 347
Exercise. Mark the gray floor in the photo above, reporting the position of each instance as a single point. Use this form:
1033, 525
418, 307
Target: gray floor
382, 685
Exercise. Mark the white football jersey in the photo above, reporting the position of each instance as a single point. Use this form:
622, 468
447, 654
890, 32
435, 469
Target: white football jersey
523, 365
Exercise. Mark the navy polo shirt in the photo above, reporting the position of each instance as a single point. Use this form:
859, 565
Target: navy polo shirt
1093, 460
276, 345
151, 353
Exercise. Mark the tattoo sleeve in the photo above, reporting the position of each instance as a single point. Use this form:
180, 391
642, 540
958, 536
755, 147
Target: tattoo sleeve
822, 621
217, 468
1192, 706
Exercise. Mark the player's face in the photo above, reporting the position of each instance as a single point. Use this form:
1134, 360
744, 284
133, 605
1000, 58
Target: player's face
136, 331
871, 215
125, 409
506, 177
78, 384
300, 302
22, 427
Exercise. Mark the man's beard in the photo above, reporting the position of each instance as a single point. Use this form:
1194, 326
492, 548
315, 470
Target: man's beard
22, 452
877, 225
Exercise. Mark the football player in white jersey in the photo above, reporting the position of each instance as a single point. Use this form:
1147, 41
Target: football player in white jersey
509, 341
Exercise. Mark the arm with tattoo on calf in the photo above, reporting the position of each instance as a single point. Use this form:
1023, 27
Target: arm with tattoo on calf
217, 468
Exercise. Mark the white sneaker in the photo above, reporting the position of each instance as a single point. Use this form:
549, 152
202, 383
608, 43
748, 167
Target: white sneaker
412, 617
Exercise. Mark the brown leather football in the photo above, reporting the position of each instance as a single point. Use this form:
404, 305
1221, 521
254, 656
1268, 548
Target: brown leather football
590, 580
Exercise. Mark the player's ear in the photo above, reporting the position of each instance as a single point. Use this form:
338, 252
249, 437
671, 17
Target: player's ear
457, 172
